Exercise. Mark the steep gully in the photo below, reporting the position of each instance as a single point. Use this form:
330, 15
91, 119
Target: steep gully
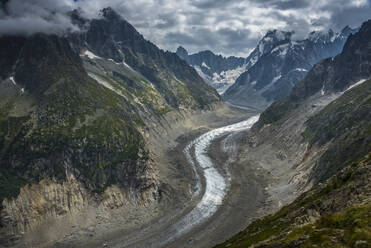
212, 187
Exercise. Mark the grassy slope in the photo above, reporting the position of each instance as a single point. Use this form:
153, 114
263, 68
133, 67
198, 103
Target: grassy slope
334, 214
345, 124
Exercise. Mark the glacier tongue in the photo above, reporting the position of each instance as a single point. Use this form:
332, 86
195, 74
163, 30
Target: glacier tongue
216, 184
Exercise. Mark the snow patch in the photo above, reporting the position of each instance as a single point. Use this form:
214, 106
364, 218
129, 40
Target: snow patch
114, 62
253, 60
106, 84
13, 81
283, 49
16, 85
128, 66
203, 75
300, 69
226, 79
91, 55
275, 79
205, 65
356, 84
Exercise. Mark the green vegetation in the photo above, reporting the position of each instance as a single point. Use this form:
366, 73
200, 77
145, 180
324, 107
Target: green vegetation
348, 112
342, 225
345, 125
276, 111
344, 229
75, 125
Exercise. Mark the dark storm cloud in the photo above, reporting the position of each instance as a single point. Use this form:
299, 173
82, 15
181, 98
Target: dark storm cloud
199, 37
233, 27
350, 15
166, 21
283, 4
212, 4
230, 27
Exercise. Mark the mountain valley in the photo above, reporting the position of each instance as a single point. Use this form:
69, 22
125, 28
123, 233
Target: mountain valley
106, 140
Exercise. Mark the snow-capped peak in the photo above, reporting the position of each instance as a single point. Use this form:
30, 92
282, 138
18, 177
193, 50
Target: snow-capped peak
323, 36
271, 39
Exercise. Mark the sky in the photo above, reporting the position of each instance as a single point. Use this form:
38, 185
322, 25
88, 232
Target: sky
228, 27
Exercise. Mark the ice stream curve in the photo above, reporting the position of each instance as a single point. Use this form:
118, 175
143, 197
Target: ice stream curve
216, 186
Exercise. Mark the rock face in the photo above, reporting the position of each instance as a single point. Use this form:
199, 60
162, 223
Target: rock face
75, 113
280, 63
328, 76
318, 139
113, 38
47, 199
218, 71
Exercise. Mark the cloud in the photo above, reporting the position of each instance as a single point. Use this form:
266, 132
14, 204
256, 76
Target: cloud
229, 27
28, 17
233, 27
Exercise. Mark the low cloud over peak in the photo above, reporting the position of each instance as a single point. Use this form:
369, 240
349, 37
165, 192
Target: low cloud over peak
28, 17
230, 27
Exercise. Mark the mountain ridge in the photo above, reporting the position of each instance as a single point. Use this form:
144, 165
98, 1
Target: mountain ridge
281, 63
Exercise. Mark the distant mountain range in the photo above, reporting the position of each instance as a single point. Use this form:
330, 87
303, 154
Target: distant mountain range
218, 71
271, 70
283, 62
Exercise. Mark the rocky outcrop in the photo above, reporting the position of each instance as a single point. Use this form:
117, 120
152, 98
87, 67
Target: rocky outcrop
113, 38
39, 202
50, 199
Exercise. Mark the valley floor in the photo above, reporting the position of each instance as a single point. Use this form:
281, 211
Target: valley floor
246, 199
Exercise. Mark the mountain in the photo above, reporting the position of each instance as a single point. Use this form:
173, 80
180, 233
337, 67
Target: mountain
75, 117
280, 63
218, 71
316, 140
113, 38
